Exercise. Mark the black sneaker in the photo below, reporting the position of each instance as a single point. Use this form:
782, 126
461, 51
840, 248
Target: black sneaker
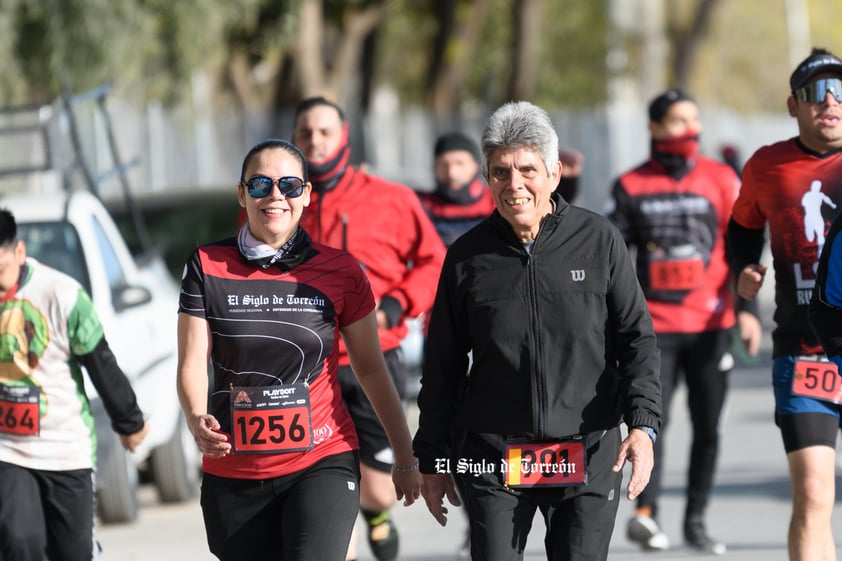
382, 535
696, 536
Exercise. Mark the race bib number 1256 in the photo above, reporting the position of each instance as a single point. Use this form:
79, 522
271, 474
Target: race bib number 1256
271, 419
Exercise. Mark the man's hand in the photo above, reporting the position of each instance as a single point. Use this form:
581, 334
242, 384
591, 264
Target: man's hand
383, 320
750, 281
751, 332
434, 488
637, 449
131, 441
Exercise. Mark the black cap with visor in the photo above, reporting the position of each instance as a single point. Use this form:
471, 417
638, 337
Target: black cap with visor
822, 63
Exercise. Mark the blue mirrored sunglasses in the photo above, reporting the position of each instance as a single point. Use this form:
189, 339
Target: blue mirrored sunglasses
816, 92
260, 186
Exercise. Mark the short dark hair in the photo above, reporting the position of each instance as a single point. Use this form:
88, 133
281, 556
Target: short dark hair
8, 228
316, 101
455, 141
272, 143
659, 106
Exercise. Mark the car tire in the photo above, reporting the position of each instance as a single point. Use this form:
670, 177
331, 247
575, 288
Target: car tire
175, 466
117, 499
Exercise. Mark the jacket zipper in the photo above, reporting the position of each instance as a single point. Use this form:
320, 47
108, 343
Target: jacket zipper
538, 377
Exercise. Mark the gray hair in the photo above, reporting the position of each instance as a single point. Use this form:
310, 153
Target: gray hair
520, 124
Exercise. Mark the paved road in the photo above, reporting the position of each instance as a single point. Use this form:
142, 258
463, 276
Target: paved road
749, 509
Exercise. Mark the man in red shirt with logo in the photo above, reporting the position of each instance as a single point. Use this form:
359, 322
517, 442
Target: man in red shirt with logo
795, 187
383, 225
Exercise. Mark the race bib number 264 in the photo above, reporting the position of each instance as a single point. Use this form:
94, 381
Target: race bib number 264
20, 410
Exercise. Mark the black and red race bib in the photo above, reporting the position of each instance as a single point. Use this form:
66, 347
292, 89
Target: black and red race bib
20, 410
818, 379
271, 419
545, 464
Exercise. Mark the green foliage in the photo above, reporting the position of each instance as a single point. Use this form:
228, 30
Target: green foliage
570, 51
410, 24
150, 47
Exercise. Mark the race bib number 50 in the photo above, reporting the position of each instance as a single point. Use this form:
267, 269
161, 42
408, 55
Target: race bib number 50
817, 379
271, 419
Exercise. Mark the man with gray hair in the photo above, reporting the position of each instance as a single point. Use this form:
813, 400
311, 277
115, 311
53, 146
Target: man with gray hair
544, 297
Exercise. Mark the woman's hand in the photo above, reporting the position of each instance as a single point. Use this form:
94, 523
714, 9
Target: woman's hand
407, 482
211, 441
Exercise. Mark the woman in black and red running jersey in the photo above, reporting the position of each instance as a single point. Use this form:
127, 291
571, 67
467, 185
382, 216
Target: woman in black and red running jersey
281, 469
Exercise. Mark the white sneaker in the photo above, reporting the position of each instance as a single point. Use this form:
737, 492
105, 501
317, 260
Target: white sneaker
644, 531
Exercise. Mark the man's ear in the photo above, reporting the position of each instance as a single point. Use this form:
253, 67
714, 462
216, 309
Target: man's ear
20, 252
791, 105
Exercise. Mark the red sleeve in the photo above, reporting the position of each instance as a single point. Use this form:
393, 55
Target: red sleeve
422, 247
746, 210
359, 300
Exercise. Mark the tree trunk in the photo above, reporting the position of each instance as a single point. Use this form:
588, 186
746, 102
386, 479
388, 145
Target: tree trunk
687, 41
315, 75
526, 15
453, 45
308, 48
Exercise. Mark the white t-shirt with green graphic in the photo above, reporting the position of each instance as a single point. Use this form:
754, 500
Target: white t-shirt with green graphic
48, 321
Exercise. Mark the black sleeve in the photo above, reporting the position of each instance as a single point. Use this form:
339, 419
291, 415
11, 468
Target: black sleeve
826, 318
114, 388
392, 308
618, 210
635, 345
744, 246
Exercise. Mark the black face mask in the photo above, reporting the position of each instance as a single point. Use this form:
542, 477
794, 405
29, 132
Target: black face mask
467, 194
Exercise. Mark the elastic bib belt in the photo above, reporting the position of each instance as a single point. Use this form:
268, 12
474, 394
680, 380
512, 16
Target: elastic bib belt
498, 441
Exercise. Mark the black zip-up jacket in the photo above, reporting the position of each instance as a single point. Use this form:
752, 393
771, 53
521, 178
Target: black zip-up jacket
826, 318
562, 339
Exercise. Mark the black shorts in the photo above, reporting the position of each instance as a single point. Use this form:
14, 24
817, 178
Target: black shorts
298, 517
801, 430
50, 511
375, 448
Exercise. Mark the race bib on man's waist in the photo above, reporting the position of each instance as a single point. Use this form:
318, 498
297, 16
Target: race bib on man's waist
818, 379
545, 464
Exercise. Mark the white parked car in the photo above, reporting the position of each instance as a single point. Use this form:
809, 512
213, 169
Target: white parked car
137, 304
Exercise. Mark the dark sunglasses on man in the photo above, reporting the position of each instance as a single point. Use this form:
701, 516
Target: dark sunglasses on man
260, 186
816, 92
